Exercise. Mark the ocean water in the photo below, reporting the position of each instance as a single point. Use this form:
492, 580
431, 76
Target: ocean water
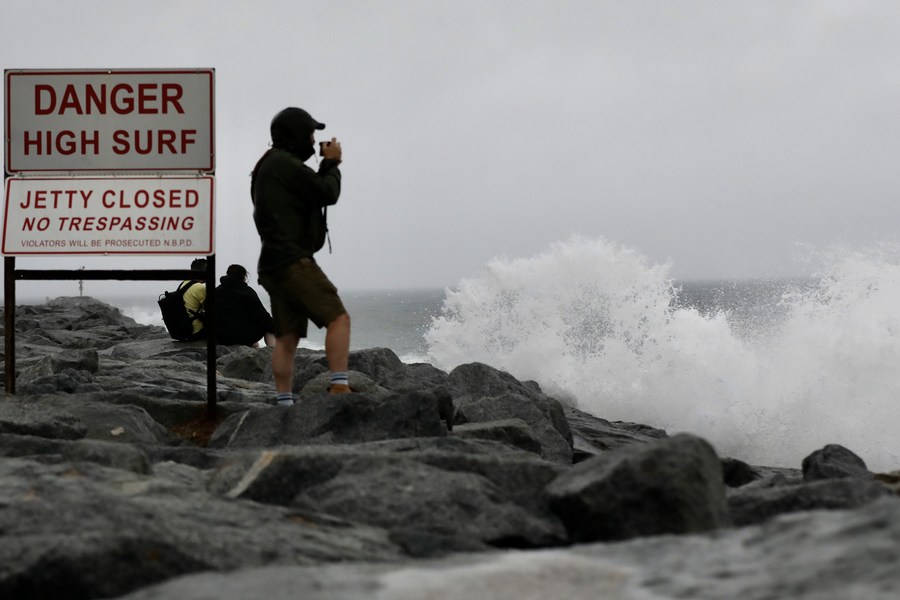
395, 319
767, 371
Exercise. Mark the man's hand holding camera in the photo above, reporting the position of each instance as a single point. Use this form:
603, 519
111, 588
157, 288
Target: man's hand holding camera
330, 150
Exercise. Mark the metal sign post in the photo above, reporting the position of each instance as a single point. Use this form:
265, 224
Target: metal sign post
12, 275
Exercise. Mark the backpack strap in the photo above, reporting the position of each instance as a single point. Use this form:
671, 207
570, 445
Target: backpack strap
327, 233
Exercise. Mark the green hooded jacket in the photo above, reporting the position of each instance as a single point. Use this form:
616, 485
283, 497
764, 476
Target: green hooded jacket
289, 201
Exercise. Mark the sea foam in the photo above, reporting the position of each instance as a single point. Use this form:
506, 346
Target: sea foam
598, 325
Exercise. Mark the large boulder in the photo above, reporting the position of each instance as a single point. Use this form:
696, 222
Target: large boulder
482, 393
21, 418
514, 432
756, 504
82, 531
434, 497
833, 478
836, 555
386, 369
592, 435
127, 457
834, 461
82, 416
673, 485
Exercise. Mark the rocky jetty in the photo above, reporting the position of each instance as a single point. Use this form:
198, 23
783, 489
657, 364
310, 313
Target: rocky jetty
116, 483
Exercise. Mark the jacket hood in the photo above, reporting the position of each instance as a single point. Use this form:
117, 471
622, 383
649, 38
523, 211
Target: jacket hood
231, 280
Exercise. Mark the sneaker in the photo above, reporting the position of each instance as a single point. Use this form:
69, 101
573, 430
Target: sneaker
339, 388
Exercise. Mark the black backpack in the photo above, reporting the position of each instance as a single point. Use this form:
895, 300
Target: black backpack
178, 319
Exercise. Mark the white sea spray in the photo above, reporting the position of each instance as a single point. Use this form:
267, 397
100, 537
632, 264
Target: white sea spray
598, 325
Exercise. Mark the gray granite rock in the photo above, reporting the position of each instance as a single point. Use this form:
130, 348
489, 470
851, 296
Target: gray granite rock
673, 485
481, 393
592, 435
834, 461
751, 505
79, 530
514, 432
452, 498
818, 555
341, 419
118, 483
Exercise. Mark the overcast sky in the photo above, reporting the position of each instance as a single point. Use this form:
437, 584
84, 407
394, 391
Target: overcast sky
719, 135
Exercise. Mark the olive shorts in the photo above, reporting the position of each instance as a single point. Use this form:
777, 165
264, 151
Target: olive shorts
300, 292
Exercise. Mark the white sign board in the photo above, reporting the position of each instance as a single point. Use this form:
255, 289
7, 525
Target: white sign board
106, 215
92, 121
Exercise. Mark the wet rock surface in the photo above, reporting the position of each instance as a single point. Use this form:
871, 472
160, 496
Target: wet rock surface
117, 483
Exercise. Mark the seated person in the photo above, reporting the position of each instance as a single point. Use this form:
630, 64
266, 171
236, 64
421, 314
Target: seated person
195, 297
241, 317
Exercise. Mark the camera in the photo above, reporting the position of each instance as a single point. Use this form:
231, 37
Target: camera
322, 147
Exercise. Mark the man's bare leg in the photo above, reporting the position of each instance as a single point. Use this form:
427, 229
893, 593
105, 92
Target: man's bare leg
337, 350
283, 361
337, 343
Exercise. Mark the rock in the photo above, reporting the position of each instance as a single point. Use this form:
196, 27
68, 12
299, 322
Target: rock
737, 473
251, 364
341, 419
756, 505
890, 480
385, 369
376, 372
592, 435
456, 500
475, 380
672, 485
849, 554
78, 360
513, 432
63, 371
84, 531
834, 461
492, 408
118, 481
57, 417
118, 456
20, 418
68, 381
362, 384
833, 478
405, 496
481, 393
158, 347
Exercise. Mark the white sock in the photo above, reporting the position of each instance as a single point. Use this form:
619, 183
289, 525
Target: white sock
339, 378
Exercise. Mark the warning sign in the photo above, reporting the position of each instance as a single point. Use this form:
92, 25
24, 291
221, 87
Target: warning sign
123, 215
109, 121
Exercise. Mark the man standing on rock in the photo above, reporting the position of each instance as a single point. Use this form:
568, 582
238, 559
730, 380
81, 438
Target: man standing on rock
289, 208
